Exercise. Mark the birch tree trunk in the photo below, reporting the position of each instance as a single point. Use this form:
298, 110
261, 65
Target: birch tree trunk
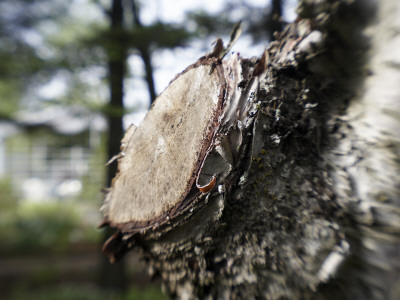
293, 191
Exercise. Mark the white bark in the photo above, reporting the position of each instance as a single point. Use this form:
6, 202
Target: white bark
367, 167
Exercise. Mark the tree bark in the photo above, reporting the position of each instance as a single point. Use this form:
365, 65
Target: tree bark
303, 201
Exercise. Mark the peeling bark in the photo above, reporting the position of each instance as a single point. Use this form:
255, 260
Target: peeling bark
296, 195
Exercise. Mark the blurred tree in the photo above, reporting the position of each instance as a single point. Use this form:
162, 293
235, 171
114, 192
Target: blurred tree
144, 53
42, 42
261, 21
20, 53
275, 15
266, 21
147, 39
114, 276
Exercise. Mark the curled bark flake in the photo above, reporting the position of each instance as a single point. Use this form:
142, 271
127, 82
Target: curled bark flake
206, 188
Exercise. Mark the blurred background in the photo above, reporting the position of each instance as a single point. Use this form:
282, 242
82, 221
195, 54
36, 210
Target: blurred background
73, 75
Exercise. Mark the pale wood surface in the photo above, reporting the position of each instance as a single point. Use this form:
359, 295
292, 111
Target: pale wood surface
162, 154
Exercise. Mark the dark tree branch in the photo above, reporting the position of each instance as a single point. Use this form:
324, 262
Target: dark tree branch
145, 54
275, 18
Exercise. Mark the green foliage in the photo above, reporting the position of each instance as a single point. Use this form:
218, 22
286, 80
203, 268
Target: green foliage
210, 24
159, 35
8, 198
51, 227
10, 90
259, 19
150, 293
82, 292
56, 224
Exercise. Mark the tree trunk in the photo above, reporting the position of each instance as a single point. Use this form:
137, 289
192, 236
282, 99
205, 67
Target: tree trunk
146, 57
114, 276
274, 20
275, 179
145, 54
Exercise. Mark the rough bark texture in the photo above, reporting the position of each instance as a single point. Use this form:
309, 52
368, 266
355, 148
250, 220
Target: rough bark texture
309, 207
